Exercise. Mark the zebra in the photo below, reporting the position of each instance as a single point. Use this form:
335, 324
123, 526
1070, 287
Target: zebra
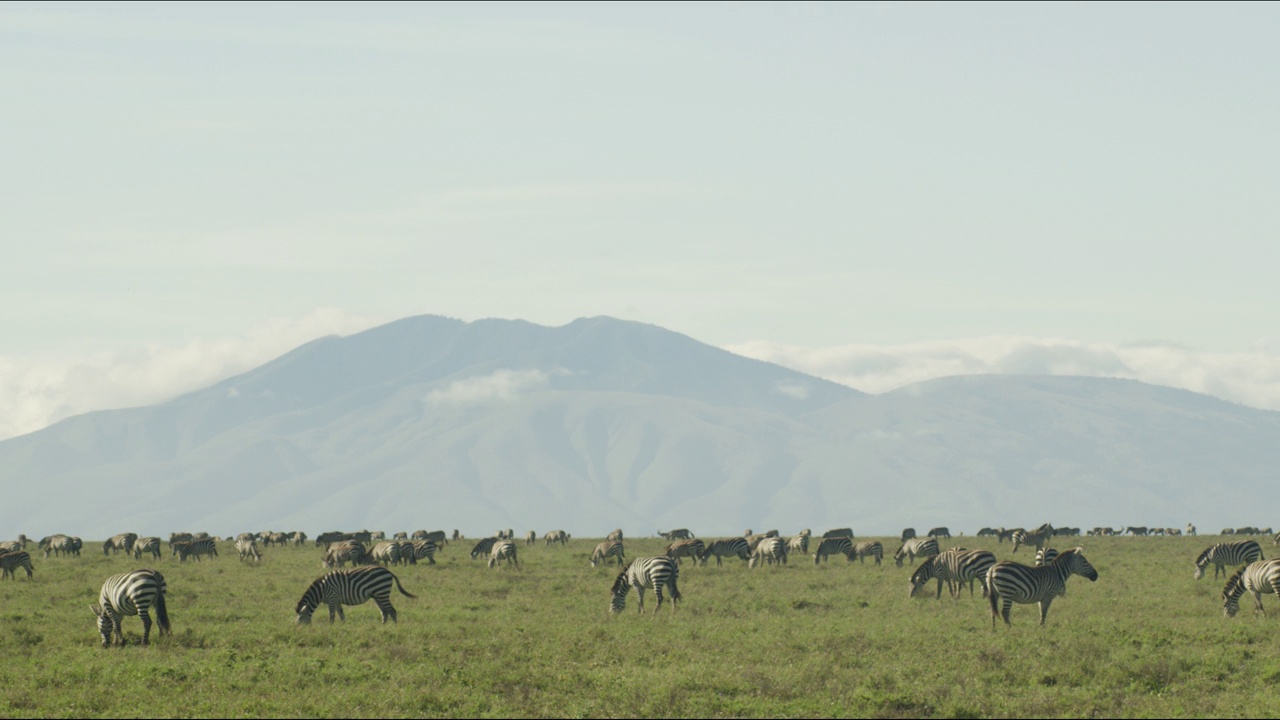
116, 543
1007, 534
838, 532
771, 550
146, 545
908, 533
988, 532
955, 566
606, 550
195, 548
727, 547
1191, 529
642, 573
131, 593
916, 547
10, 546
350, 587
435, 536
348, 550
832, 545
557, 536
1010, 582
1139, 530
504, 550
531, 538
11, 561
179, 537
247, 549
940, 532
615, 535
677, 534
415, 550
58, 545
870, 547
799, 544
1230, 553
1037, 537
687, 548
298, 537
1256, 577
484, 547
1044, 556
387, 553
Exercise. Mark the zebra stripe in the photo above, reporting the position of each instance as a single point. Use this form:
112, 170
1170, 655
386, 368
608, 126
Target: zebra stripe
415, 550
727, 547
248, 548
1232, 553
686, 548
555, 536
832, 545
504, 550
195, 548
799, 544
131, 593
340, 553
146, 545
350, 587
606, 550
916, 547
1044, 556
955, 566
644, 573
770, 550
1037, 537
116, 543
871, 548
387, 553
1010, 582
484, 547
11, 561
1257, 577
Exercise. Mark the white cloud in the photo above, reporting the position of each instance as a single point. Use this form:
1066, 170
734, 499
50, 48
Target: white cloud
499, 386
1250, 378
791, 389
37, 391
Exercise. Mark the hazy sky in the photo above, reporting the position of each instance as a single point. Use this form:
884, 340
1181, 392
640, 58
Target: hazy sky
875, 192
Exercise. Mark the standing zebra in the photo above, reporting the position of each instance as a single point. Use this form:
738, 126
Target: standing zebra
1257, 577
677, 534
770, 550
504, 550
916, 547
11, 561
955, 567
484, 547
195, 548
608, 549
1231, 553
248, 548
831, 546
686, 548
642, 573
799, 544
1010, 582
728, 547
1037, 537
1044, 556
870, 547
146, 545
531, 538
350, 587
131, 593
387, 552
416, 550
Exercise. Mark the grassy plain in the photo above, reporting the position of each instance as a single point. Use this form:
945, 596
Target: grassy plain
840, 639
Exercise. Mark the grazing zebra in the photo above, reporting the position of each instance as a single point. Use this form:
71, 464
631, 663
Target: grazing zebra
955, 567
339, 553
435, 536
504, 550
59, 545
606, 550
387, 553
350, 587
1044, 556
940, 532
727, 547
615, 535
838, 532
179, 537
402, 535
687, 548
11, 561
456, 535
195, 548
1037, 537
484, 547
531, 538
10, 546
831, 546
871, 548
988, 532
415, 550
799, 544
1230, 553
916, 547
131, 593
556, 536
297, 537
643, 573
770, 550
908, 533
1007, 534
677, 534
1010, 582
1257, 577
1140, 530
146, 545
116, 543
248, 549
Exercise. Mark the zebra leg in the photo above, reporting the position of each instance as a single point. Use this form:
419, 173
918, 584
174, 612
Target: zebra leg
146, 626
1257, 604
657, 590
1044, 609
387, 610
939, 597
640, 592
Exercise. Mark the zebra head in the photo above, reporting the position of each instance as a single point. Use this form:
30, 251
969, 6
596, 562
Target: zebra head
1202, 562
898, 556
618, 594
922, 575
1077, 563
104, 624
1231, 594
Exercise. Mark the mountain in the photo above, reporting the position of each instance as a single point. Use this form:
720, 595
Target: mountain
430, 422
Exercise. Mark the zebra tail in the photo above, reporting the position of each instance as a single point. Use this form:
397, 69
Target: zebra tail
162, 614
995, 603
401, 588
675, 591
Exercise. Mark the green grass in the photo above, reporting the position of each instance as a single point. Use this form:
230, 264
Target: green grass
839, 639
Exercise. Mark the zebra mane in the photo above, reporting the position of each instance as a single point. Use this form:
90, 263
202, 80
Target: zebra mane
621, 584
1203, 559
1235, 584
314, 588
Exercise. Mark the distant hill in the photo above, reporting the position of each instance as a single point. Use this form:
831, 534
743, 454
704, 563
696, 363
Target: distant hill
430, 422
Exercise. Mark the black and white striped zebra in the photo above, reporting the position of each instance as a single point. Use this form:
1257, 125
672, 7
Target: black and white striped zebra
340, 553
831, 546
770, 550
415, 550
798, 544
954, 567
1258, 577
1010, 582
350, 587
60, 545
694, 548
195, 548
727, 547
131, 593
608, 549
146, 545
388, 552
869, 548
1229, 553
12, 560
483, 548
248, 548
504, 550
116, 543
1037, 537
556, 536
646, 573
677, 534
1044, 556
916, 547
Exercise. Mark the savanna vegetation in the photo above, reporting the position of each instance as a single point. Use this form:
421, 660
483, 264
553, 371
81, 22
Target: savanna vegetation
839, 639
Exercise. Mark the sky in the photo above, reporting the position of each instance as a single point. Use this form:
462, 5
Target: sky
878, 193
